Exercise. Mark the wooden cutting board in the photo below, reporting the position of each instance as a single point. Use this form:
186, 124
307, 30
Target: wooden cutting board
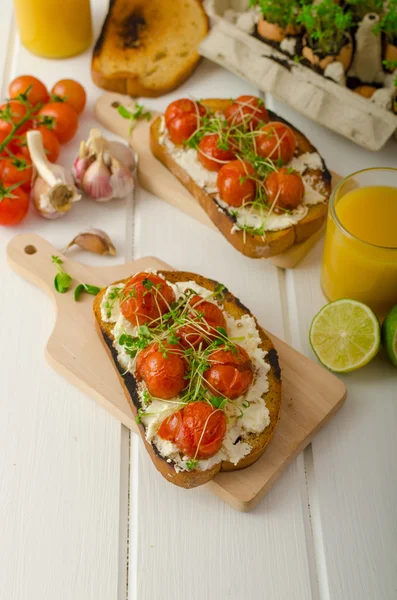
157, 179
311, 395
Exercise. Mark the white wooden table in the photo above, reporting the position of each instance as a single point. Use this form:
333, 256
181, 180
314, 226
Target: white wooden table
84, 516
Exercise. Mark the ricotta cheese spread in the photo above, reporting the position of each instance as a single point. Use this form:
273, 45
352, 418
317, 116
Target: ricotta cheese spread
241, 420
247, 217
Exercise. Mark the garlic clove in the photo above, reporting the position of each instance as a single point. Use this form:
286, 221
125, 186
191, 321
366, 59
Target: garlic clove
94, 240
52, 191
96, 181
82, 162
123, 153
121, 180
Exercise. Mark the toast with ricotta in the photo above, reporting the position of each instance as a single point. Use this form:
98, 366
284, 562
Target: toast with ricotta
148, 48
258, 228
155, 321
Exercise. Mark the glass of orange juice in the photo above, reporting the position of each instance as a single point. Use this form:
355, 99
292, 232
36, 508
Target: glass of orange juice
54, 28
360, 252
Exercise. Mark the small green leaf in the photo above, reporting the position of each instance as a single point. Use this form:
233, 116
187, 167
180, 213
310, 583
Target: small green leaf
222, 331
123, 112
78, 291
62, 282
143, 331
191, 464
91, 289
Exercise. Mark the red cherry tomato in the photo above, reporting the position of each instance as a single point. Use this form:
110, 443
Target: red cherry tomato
207, 316
14, 204
17, 169
285, 187
248, 111
234, 184
145, 297
51, 143
181, 107
72, 93
197, 430
181, 127
11, 113
37, 94
230, 373
61, 119
278, 142
164, 375
213, 154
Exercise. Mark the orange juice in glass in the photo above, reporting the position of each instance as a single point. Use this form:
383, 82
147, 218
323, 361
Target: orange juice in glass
360, 251
54, 28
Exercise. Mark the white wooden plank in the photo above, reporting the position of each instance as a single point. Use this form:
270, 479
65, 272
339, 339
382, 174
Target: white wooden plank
351, 469
64, 465
189, 543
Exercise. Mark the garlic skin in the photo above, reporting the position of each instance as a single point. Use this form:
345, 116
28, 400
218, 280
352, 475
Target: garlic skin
53, 191
93, 240
104, 170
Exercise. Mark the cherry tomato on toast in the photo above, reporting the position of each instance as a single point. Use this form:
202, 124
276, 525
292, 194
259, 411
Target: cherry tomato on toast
230, 373
247, 111
213, 152
277, 142
235, 183
205, 318
162, 369
145, 297
285, 187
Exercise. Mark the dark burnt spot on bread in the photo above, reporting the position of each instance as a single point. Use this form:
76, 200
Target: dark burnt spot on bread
273, 360
132, 29
101, 39
128, 378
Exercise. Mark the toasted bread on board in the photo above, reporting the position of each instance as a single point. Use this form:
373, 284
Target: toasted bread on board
258, 442
147, 48
254, 246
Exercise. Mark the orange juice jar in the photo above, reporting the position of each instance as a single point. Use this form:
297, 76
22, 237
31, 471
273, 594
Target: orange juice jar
360, 252
54, 28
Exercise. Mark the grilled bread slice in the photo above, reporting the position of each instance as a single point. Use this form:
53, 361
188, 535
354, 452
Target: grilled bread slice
258, 442
147, 48
254, 246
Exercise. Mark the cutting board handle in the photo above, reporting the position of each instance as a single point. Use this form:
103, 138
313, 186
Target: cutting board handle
30, 256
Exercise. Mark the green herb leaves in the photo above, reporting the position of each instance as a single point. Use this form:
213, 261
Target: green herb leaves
140, 113
192, 464
63, 280
88, 289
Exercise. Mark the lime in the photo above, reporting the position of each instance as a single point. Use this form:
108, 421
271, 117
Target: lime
389, 335
345, 335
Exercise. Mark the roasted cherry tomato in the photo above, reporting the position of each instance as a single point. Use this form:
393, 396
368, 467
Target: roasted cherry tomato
71, 92
162, 369
235, 185
14, 204
230, 373
29, 87
248, 111
213, 154
207, 316
11, 113
145, 297
181, 127
277, 142
182, 107
61, 119
197, 430
17, 169
285, 187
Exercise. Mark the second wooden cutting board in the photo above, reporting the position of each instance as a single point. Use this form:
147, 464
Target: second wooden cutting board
311, 395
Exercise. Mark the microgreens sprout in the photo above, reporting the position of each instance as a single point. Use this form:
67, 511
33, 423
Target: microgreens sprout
62, 280
139, 114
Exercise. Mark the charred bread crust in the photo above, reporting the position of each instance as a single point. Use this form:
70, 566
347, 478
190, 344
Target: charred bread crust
258, 442
250, 245
125, 82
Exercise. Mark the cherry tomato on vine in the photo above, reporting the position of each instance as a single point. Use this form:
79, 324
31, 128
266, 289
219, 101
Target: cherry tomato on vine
285, 187
72, 93
234, 183
163, 370
14, 204
212, 153
11, 113
230, 372
61, 119
37, 94
197, 430
277, 142
17, 169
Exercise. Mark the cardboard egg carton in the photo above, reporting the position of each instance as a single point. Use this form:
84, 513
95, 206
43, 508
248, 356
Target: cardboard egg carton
318, 98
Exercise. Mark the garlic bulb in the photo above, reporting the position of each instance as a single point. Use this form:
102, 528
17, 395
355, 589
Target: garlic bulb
53, 191
103, 169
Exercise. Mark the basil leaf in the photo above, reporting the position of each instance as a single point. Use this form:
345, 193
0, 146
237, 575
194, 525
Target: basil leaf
62, 282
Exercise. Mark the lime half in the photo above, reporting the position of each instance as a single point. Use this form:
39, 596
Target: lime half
345, 335
389, 335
